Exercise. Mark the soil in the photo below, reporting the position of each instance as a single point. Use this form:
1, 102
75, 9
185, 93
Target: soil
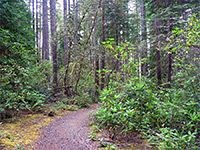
70, 132
62, 131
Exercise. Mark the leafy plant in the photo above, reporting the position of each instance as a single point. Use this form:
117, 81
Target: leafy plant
22, 79
169, 117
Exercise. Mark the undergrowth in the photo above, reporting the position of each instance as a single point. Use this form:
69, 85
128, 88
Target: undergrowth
169, 118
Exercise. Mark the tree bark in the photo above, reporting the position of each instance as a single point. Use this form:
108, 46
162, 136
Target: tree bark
75, 15
137, 55
33, 14
37, 28
45, 44
103, 50
40, 29
159, 77
143, 37
53, 41
117, 40
66, 48
69, 7
169, 55
96, 63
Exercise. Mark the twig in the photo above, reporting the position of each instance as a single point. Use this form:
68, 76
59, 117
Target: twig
160, 136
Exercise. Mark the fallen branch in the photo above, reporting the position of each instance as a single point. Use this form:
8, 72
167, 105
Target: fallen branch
161, 136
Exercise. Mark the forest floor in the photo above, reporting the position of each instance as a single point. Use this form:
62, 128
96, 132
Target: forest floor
67, 130
70, 132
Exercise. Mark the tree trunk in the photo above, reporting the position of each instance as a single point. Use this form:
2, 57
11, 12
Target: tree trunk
143, 37
169, 55
75, 14
37, 23
117, 41
66, 50
37, 29
33, 14
40, 29
66, 46
103, 50
69, 7
159, 78
137, 55
45, 44
96, 62
53, 40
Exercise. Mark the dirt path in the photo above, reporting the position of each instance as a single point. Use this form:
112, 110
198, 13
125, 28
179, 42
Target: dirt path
70, 132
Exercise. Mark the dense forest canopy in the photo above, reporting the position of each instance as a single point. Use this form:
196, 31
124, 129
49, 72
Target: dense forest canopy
140, 59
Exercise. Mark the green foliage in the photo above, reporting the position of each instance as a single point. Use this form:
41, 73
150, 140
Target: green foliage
83, 100
22, 78
18, 76
140, 105
186, 50
64, 105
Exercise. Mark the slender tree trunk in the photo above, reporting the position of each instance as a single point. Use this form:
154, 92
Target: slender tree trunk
45, 44
65, 35
169, 69
145, 42
143, 37
53, 40
69, 7
33, 14
76, 22
169, 55
75, 14
66, 46
37, 30
40, 28
96, 63
137, 55
103, 50
126, 31
159, 77
37, 25
117, 40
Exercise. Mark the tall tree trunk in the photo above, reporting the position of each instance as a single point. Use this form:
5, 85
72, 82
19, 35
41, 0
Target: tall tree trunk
137, 55
75, 15
117, 40
159, 77
37, 25
66, 50
66, 45
45, 43
37, 30
169, 55
103, 50
33, 14
69, 7
53, 40
143, 37
96, 62
40, 28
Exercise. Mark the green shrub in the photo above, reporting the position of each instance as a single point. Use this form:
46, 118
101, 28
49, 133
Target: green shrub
140, 106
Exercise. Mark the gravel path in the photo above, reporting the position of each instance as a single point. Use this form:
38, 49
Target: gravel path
70, 132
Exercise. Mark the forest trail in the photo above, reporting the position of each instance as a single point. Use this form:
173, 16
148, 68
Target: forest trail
70, 132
